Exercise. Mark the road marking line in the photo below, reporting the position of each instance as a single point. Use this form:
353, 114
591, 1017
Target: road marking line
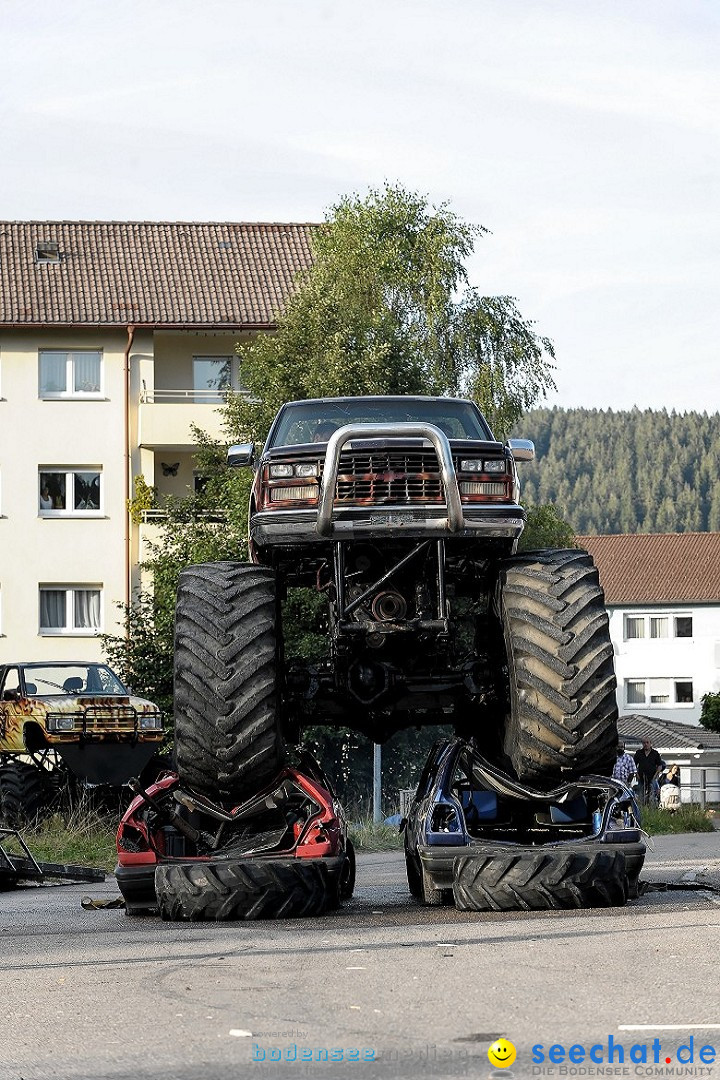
667, 1027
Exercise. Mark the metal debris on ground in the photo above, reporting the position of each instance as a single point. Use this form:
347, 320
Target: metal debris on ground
684, 885
15, 869
90, 903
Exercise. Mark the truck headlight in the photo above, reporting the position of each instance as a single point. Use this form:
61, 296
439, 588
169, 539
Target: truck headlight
151, 722
293, 494
283, 470
60, 723
482, 465
479, 487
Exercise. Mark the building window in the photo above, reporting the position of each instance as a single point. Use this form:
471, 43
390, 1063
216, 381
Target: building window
634, 627
70, 609
70, 374
69, 492
47, 251
634, 692
659, 692
642, 626
214, 377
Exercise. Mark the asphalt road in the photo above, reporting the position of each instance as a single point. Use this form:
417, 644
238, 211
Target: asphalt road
416, 992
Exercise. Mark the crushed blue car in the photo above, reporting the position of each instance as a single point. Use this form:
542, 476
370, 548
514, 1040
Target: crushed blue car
475, 836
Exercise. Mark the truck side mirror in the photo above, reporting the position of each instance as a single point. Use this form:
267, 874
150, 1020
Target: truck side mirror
241, 455
522, 449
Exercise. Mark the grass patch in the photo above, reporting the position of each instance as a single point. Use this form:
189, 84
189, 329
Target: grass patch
82, 837
687, 819
366, 835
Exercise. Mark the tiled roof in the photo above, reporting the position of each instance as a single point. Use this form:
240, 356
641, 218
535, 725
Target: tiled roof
657, 568
667, 734
175, 274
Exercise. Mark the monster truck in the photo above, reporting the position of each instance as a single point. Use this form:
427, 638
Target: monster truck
68, 720
403, 513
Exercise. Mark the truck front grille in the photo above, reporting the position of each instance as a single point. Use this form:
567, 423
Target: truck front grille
96, 718
383, 476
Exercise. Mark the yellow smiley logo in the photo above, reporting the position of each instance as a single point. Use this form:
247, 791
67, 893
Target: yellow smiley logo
502, 1053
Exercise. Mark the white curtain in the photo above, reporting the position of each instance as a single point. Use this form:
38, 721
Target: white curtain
87, 372
53, 368
87, 609
52, 609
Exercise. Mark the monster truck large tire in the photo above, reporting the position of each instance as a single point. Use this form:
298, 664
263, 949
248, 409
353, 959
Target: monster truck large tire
228, 742
562, 715
242, 889
528, 879
24, 793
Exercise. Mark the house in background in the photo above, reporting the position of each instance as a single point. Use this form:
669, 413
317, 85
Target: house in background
115, 337
662, 594
693, 748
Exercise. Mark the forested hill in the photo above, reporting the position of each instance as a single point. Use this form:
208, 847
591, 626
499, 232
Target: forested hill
614, 472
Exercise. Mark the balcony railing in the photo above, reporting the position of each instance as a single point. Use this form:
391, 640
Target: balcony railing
196, 397
151, 517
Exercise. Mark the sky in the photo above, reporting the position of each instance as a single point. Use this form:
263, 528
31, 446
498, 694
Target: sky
582, 133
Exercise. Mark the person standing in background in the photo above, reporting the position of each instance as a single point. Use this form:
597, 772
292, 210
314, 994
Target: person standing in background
649, 766
624, 768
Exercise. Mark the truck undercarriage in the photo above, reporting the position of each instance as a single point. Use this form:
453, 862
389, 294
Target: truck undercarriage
404, 514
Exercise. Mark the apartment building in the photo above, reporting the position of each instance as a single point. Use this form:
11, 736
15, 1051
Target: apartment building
115, 337
662, 593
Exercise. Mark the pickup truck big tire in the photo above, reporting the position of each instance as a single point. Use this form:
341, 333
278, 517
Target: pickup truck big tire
562, 719
532, 880
24, 793
242, 889
227, 730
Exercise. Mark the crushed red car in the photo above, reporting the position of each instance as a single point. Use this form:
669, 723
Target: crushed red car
283, 853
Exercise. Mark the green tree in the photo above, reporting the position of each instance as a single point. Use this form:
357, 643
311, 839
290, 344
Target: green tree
710, 712
387, 308
625, 472
545, 528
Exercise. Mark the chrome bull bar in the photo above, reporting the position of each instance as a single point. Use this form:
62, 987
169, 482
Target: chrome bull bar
454, 521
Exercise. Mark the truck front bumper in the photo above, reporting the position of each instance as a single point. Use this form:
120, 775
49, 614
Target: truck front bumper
299, 527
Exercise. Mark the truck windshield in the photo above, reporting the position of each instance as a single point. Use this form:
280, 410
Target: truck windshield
315, 421
45, 680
